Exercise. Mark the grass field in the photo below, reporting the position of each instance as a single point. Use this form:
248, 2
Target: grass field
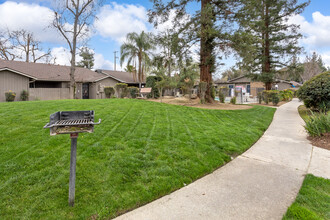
303, 112
141, 151
313, 200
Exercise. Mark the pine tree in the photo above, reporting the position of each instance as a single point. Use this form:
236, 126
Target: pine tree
87, 58
265, 37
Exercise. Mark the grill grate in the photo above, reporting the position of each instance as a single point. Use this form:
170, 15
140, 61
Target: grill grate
73, 122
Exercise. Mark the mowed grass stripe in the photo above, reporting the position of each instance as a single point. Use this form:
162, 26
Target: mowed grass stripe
141, 151
312, 201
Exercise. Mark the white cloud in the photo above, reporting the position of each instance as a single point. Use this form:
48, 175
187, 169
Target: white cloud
317, 32
30, 17
62, 57
115, 21
326, 58
101, 63
316, 35
168, 25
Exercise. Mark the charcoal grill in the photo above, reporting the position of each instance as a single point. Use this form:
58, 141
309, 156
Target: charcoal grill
73, 123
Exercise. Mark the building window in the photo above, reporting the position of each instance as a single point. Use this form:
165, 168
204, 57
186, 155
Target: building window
248, 88
45, 84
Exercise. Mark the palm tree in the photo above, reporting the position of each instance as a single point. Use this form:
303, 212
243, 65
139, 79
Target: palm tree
131, 69
137, 47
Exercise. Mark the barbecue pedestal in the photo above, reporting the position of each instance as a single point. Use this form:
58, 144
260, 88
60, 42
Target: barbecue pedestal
73, 123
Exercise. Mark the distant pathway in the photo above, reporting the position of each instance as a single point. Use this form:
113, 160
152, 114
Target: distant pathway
260, 184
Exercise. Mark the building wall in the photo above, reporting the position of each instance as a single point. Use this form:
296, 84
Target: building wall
79, 90
12, 81
96, 91
49, 93
282, 86
65, 85
255, 86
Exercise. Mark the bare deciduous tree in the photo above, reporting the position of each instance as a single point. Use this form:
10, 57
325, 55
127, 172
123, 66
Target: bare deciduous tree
311, 67
6, 47
21, 44
26, 44
81, 13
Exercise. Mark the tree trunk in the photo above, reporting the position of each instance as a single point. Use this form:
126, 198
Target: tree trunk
206, 50
268, 85
140, 69
161, 94
169, 62
267, 64
27, 52
73, 57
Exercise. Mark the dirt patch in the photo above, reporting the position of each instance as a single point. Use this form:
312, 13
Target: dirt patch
322, 142
196, 103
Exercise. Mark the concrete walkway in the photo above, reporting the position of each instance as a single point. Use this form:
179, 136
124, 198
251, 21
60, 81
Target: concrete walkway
260, 184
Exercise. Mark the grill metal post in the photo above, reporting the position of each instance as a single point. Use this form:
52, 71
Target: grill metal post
72, 181
73, 123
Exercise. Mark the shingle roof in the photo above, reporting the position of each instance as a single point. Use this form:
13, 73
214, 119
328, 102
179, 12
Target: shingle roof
123, 77
49, 72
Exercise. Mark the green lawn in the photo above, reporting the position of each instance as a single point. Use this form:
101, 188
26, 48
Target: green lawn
313, 200
141, 151
303, 112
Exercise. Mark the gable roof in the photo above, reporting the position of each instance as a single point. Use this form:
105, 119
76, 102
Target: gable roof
49, 72
123, 77
240, 77
19, 73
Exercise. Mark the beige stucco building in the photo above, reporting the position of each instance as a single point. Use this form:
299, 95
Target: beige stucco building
252, 87
51, 82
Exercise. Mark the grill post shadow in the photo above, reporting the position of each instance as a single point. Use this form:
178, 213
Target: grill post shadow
73, 157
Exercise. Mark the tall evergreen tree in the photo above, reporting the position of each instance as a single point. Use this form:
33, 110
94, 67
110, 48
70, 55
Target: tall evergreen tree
265, 37
87, 58
294, 70
209, 26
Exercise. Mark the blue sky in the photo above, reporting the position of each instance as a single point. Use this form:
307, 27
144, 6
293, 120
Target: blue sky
117, 18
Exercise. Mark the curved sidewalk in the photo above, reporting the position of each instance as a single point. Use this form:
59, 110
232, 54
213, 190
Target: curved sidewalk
260, 184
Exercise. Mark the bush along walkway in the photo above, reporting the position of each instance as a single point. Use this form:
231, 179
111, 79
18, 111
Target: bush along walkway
260, 184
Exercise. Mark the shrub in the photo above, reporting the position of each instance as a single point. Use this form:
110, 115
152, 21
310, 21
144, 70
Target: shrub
294, 92
133, 91
221, 96
24, 95
121, 89
160, 85
213, 92
10, 96
269, 94
266, 96
275, 99
233, 100
286, 94
109, 91
151, 83
316, 92
318, 124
